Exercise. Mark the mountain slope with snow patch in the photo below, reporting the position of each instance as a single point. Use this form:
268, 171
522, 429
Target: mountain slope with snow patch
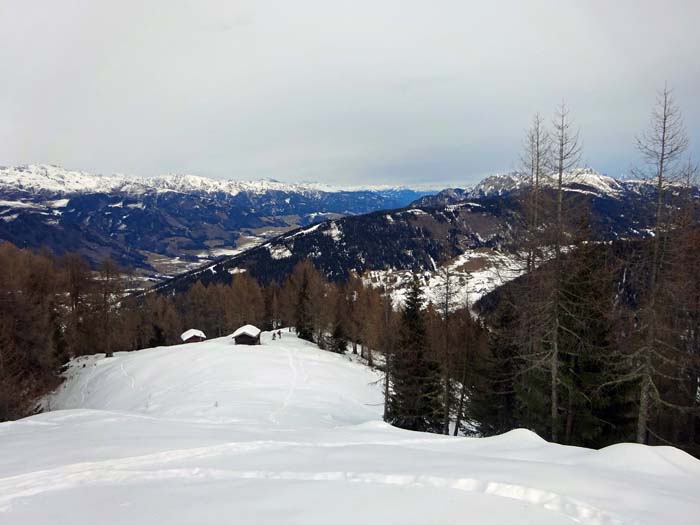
286, 433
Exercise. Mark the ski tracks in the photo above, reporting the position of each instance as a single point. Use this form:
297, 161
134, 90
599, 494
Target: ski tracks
294, 377
127, 470
302, 366
130, 377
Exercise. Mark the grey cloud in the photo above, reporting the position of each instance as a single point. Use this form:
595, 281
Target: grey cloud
347, 92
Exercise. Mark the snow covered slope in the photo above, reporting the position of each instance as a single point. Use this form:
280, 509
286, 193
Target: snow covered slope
286, 433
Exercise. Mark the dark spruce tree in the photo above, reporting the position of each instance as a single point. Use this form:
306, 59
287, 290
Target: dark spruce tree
415, 397
492, 403
339, 341
302, 314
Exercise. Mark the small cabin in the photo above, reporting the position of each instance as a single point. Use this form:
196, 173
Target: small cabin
247, 335
193, 336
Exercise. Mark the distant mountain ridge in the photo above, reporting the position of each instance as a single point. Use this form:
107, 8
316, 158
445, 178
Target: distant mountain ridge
41, 178
166, 224
581, 179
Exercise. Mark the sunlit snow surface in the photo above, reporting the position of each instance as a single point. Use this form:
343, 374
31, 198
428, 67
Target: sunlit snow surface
285, 433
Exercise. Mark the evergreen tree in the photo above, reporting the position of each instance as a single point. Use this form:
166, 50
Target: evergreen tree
302, 314
337, 301
492, 404
415, 399
339, 341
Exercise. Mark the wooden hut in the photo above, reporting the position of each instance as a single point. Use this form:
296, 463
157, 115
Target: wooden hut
193, 336
247, 335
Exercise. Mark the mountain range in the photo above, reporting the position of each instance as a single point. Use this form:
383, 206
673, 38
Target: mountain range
166, 224
473, 232
177, 229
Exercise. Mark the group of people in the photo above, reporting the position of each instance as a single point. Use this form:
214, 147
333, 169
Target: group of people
277, 335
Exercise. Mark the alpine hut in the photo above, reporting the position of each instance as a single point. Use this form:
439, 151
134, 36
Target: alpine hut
193, 336
247, 335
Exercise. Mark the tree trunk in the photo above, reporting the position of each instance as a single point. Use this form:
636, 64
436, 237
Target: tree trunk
462, 397
643, 416
460, 408
569, 419
448, 407
386, 387
554, 369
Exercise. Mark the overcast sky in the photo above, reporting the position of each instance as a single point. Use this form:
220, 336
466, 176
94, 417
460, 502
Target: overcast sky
333, 91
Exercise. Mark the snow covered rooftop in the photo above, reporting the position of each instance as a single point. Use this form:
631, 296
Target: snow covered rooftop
248, 329
192, 332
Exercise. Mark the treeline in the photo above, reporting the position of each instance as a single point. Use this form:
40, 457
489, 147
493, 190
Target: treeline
583, 384
599, 343
51, 308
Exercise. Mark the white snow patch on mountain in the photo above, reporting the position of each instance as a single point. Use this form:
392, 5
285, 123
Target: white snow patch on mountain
306, 230
58, 203
334, 231
415, 211
474, 274
20, 204
279, 251
286, 433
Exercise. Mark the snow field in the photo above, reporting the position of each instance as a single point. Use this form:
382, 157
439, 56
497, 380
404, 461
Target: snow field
286, 433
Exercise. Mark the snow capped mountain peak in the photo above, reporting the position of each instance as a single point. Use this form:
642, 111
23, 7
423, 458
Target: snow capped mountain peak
578, 179
54, 179
42, 178
499, 184
37, 178
593, 179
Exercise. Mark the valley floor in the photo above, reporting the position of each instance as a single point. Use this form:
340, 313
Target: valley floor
286, 433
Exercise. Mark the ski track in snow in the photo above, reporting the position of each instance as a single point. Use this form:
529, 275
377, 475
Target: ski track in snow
292, 387
83, 388
302, 366
129, 377
76, 475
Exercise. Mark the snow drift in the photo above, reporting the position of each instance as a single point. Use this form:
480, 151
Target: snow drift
286, 433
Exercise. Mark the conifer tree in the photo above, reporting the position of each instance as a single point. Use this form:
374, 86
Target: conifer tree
300, 281
338, 341
654, 352
494, 391
415, 400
